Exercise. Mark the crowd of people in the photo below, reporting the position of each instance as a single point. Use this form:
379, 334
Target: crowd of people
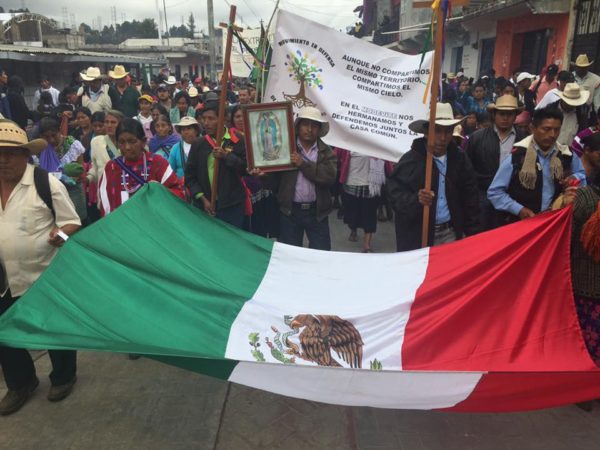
504, 151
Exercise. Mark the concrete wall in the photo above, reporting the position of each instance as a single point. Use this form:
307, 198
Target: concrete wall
507, 54
470, 43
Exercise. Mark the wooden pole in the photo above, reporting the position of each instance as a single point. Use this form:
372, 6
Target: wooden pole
435, 91
223, 102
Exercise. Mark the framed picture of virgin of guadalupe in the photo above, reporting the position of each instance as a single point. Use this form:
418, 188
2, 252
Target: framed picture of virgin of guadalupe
269, 135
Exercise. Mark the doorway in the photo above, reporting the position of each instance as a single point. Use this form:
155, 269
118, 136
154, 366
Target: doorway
534, 51
487, 56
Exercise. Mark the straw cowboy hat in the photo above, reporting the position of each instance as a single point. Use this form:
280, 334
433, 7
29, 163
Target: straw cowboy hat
13, 136
193, 92
443, 116
582, 61
187, 121
118, 73
573, 95
312, 113
505, 103
91, 74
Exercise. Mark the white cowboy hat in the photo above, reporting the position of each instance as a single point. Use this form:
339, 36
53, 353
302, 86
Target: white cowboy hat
443, 116
118, 73
573, 95
91, 74
171, 80
525, 76
13, 136
193, 92
312, 113
505, 103
583, 61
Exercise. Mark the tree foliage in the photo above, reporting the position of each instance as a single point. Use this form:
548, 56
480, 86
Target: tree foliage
144, 29
191, 24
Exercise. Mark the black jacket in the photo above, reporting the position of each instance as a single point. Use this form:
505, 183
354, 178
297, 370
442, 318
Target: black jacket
529, 101
408, 178
18, 109
230, 191
483, 148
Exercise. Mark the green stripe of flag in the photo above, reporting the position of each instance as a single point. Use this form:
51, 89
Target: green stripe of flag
159, 287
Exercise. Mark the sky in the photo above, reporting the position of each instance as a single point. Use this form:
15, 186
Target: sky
334, 13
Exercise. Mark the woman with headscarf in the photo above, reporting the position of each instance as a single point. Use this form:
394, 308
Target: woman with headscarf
164, 137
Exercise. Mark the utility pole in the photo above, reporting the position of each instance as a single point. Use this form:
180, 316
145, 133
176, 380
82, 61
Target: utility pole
160, 38
166, 23
212, 44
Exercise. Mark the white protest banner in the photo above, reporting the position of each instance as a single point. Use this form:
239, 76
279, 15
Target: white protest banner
368, 93
242, 61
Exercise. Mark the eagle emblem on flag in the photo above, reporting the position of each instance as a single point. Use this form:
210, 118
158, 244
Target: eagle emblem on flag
318, 336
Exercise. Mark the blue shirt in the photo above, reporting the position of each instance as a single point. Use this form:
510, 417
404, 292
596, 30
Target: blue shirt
473, 106
175, 160
442, 213
498, 190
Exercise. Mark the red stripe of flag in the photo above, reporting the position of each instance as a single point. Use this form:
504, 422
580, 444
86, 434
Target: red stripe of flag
505, 392
502, 301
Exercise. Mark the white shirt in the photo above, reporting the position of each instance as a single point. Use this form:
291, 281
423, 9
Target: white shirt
550, 97
186, 148
506, 145
590, 82
37, 94
25, 226
358, 170
569, 127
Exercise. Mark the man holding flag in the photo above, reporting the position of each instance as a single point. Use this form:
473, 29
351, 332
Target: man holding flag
36, 217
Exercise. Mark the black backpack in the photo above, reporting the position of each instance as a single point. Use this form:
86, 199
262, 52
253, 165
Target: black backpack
42, 186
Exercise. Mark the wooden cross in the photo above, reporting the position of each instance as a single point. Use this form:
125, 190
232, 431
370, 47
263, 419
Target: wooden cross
435, 91
223, 98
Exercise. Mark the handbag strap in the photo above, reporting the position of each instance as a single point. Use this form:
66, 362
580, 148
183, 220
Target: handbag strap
130, 172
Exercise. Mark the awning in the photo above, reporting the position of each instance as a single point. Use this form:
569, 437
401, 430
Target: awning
45, 54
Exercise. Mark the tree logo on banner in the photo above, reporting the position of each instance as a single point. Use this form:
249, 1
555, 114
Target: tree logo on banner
306, 73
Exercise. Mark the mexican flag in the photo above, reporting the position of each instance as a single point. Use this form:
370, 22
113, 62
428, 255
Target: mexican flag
485, 324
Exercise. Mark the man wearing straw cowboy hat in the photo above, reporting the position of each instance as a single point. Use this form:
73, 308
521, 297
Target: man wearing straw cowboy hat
453, 197
571, 99
587, 80
36, 217
489, 146
94, 95
303, 195
124, 98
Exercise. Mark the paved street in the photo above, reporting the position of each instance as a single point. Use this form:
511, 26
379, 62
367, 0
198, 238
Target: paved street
123, 404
